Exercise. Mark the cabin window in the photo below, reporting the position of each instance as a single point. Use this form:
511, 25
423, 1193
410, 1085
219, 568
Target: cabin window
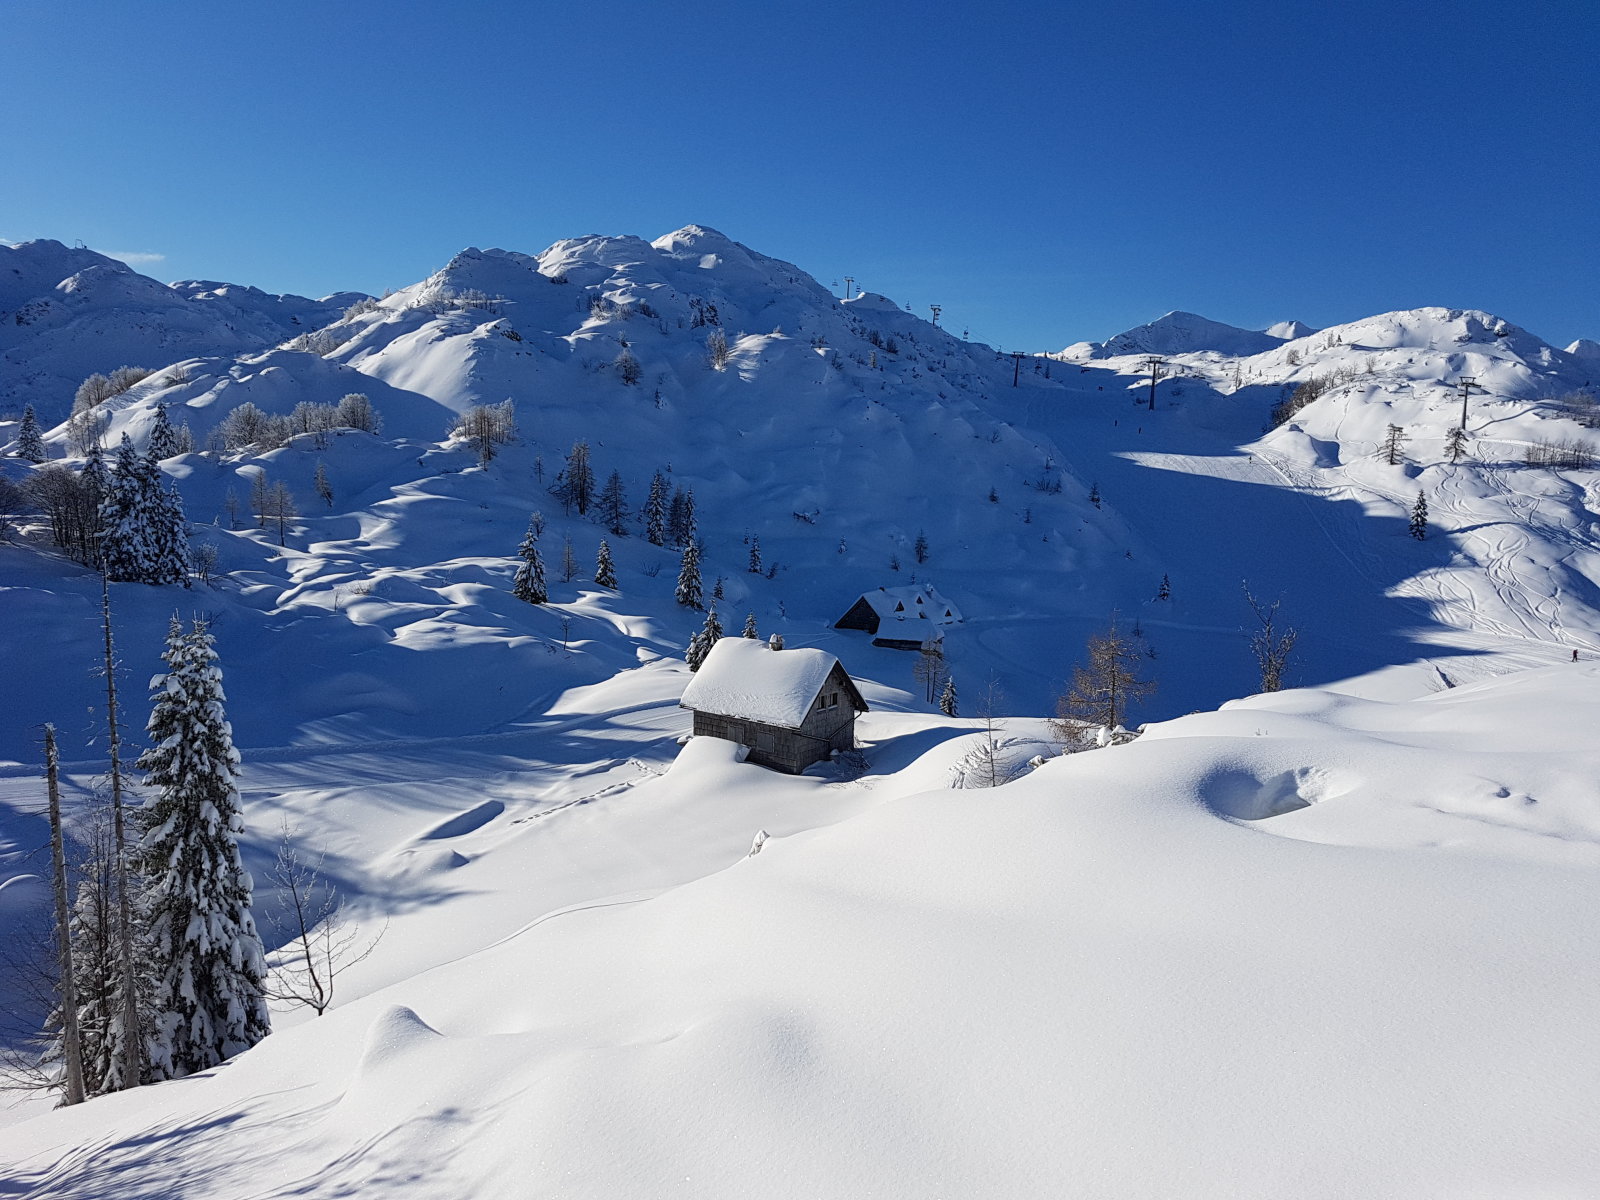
765, 740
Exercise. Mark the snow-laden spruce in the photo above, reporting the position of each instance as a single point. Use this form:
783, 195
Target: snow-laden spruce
207, 1001
529, 582
143, 533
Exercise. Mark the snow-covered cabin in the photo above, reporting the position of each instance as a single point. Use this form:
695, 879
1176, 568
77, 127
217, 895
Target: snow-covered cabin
791, 708
901, 618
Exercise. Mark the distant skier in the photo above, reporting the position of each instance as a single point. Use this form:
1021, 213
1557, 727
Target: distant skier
1574, 656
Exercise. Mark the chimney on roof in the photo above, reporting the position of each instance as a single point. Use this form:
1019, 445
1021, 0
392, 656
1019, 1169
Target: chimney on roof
775, 642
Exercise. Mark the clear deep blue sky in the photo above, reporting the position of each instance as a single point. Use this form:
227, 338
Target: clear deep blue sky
1047, 172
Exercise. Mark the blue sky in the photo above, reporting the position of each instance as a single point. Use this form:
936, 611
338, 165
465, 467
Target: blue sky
1046, 172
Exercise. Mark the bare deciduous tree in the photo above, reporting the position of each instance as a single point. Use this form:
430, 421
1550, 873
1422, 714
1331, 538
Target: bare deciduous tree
1271, 642
317, 941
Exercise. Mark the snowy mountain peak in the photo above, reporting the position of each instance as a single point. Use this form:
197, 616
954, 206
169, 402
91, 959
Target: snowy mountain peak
1179, 332
1290, 330
697, 238
1584, 348
1443, 329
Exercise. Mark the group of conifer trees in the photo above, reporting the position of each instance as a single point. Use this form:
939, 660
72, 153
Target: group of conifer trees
125, 518
160, 965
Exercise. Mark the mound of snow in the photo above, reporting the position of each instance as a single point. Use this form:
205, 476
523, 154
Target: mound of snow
1089, 983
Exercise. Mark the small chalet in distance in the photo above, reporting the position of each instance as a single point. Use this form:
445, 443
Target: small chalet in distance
902, 618
791, 708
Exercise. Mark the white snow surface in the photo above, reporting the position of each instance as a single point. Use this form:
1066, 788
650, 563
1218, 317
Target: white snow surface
1333, 942
1104, 980
742, 677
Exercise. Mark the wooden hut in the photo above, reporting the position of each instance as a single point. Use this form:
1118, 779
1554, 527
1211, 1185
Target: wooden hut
791, 708
901, 618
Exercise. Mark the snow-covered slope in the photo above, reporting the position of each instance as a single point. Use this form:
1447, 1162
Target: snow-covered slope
67, 313
1119, 977
1106, 976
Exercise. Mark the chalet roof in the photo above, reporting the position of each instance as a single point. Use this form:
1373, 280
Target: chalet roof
741, 677
912, 603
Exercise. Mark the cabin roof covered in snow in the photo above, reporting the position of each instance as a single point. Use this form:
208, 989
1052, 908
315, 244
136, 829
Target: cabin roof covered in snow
911, 603
741, 677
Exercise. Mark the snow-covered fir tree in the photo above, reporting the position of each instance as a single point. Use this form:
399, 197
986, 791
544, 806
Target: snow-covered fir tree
706, 637
605, 571
205, 954
689, 591
169, 533
163, 441
1419, 518
750, 628
30, 438
126, 551
1164, 592
144, 536
755, 555
655, 511
947, 698
529, 583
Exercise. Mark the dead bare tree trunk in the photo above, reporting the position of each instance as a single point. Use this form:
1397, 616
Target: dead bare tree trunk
71, 1046
132, 1060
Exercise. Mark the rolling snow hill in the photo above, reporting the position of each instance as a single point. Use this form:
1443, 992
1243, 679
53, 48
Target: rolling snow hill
67, 313
1100, 976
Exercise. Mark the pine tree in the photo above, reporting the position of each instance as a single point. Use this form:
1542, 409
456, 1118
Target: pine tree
1419, 518
680, 518
577, 478
1094, 494
750, 628
614, 506
1394, 442
755, 555
717, 353
1455, 443
689, 593
1165, 591
323, 488
605, 571
30, 439
947, 698
204, 950
628, 369
163, 441
920, 547
655, 511
169, 536
1104, 685
700, 644
126, 551
529, 583
929, 669
97, 973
